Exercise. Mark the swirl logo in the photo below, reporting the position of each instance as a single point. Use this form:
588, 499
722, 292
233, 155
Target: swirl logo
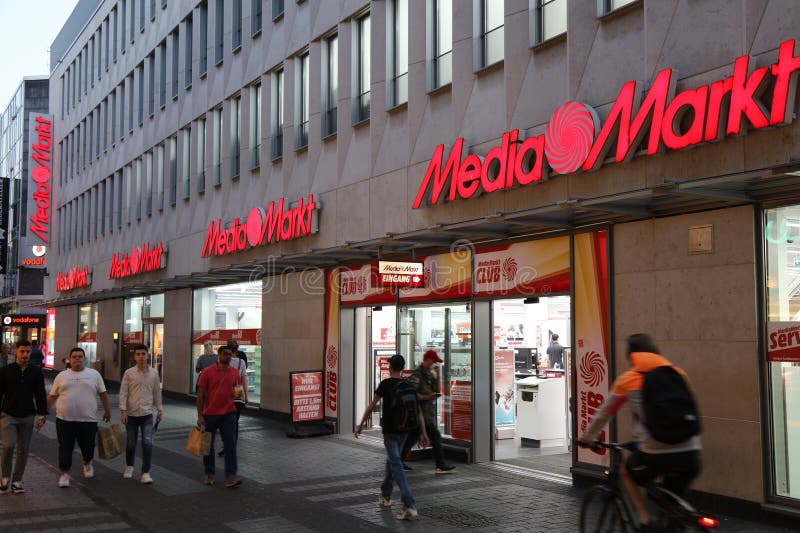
510, 269
592, 368
569, 137
331, 357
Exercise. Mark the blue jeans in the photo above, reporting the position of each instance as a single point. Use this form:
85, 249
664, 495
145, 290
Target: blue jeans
226, 424
393, 442
135, 423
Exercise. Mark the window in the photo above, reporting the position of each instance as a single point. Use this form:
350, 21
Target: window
90, 71
99, 130
100, 45
80, 75
187, 158
112, 110
123, 11
203, 38
301, 106
188, 32
90, 137
236, 26
397, 52
138, 206
439, 49
173, 169
63, 97
489, 34
330, 88
105, 110
277, 9
219, 31
96, 210
151, 84
133, 19
236, 135
128, 200
361, 70
201, 154
101, 189
130, 102
108, 38
142, 15
159, 162
277, 115
162, 74
116, 35
175, 58
120, 184
548, 19
152, 9
110, 209
140, 74
148, 183
216, 154
256, 17
607, 6
255, 126
122, 110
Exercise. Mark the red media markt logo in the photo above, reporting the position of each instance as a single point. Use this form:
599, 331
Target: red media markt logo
331, 357
593, 369
569, 137
510, 269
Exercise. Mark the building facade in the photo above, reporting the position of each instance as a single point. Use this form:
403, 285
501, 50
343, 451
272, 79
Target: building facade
474, 177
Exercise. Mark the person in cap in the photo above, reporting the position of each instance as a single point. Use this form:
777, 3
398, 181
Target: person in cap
426, 382
394, 437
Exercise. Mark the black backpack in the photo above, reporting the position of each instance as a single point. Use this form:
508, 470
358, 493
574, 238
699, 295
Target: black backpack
670, 410
403, 407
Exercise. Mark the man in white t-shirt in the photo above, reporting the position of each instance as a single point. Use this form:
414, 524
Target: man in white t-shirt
75, 394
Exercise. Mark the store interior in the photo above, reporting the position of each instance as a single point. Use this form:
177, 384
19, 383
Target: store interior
144, 324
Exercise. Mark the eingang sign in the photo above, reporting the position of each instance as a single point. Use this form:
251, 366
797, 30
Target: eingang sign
574, 141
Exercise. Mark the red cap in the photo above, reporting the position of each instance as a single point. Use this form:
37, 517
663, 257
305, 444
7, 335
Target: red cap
431, 354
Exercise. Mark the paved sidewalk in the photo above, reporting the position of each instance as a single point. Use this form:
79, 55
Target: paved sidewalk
319, 484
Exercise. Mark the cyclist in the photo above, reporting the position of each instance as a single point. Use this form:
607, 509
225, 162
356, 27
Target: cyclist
678, 463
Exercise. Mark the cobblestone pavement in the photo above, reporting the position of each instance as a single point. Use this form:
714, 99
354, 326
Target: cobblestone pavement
290, 485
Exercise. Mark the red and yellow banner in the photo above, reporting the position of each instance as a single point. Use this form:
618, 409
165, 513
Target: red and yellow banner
591, 335
332, 343
359, 286
447, 276
525, 268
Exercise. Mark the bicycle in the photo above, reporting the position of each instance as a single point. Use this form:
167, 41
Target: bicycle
606, 507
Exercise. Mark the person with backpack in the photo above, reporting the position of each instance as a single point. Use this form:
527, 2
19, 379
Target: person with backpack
401, 416
666, 424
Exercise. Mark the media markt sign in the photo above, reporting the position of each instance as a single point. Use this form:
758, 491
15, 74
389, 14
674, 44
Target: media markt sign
574, 141
33, 248
281, 222
400, 274
145, 258
74, 278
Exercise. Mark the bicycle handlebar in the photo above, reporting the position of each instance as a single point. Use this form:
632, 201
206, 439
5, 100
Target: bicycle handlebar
616, 446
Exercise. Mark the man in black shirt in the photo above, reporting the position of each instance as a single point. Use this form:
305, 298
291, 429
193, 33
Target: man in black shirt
394, 437
37, 355
22, 396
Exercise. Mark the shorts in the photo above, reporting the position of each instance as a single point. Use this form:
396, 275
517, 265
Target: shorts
678, 469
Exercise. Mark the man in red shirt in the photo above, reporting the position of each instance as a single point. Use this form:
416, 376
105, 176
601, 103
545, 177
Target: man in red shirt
218, 386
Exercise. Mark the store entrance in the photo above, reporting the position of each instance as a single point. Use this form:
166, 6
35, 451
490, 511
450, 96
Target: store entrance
154, 338
376, 343
532, 423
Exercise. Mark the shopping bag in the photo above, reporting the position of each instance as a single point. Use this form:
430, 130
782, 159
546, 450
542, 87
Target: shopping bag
109, 442
199, 442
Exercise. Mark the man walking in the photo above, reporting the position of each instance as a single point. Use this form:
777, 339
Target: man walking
75, 392
234, 346
394, 391
4, 351
37, 355
217, 388
555, 353
139, 394
426, 383
22, 396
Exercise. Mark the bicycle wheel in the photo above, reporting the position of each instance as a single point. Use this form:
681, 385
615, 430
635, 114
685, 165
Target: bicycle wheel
602, 512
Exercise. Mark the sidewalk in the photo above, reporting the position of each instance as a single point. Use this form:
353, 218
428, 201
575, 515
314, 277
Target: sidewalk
290, 485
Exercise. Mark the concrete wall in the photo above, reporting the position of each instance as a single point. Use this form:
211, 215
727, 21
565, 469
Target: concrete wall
701, 310
110, 319
66, 332
293, 329
177, 340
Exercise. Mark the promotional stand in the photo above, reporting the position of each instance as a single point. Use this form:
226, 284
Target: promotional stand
306, 405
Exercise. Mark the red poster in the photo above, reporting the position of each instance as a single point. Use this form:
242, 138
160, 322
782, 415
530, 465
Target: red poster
89, 336
461, 409
221, 336
382, 362
306, 394
783, 342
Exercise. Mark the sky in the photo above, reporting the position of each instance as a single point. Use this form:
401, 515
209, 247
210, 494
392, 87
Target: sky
28, 29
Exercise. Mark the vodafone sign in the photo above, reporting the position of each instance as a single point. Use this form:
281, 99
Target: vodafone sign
279, 223
400, 274
574, 140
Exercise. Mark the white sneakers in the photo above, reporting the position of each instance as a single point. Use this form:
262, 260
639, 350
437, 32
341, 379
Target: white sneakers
128, 473
63, 481
384, 502
408, 513
145, 479
88, 470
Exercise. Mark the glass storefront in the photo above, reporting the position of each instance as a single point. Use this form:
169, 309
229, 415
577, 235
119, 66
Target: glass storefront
144, 324
229, 312
87, 331
50, 339
782, 267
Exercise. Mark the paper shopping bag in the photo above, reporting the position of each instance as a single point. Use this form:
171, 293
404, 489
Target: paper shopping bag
109, 442
199, 442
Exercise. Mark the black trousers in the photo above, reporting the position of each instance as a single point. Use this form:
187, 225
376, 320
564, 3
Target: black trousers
85, 433
436, 443
677, 469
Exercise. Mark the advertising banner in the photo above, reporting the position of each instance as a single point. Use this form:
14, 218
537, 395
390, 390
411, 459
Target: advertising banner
591, 335
331, 354
359, 286
504, 393
50, 339
461, 410
37, 227
306, 396
400, 274
446, 276
783, 342
221, 336
5, 191
524, 268
89, 336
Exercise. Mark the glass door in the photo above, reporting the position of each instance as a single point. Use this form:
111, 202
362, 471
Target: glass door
446, 329
154, 339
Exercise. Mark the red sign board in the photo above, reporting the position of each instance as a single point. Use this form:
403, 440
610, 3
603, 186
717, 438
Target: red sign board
461, 409
261, 228
400, 274
89, 336
221, 336
574, 140
74, 278
138, 261
41, 150
306, 393
783, 342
